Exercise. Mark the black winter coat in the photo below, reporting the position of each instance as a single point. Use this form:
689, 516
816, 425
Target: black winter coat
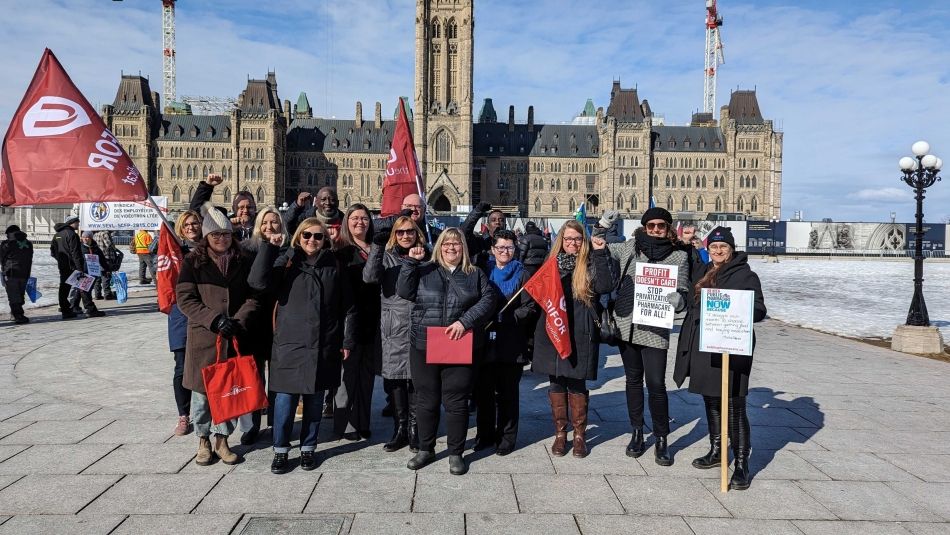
314, 318
94, 249
16, 257
365, 295
705, 369
65, 249
532, 250
582, 319
507, 337
442, 297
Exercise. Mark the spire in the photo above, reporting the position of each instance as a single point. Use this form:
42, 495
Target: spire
589, 110
303, 106
487, 115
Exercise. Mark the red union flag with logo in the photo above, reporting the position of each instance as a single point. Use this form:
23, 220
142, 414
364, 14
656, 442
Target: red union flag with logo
402, 169
545, 287
167, 264
58, 150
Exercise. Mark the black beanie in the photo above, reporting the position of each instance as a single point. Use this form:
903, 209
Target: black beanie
721, 234
11, 229
656, 213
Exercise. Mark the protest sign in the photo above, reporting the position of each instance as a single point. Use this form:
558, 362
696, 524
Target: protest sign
725, 321
121, 215
81, 281
652, 284
92, 265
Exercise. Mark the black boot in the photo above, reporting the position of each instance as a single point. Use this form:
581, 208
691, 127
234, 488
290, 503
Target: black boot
714, 424
661, 452
741, 443
413, 431
400, 438
636, 447
421, 459
250, 436
279, 466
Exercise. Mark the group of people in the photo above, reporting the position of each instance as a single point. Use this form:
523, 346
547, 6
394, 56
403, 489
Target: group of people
326, 299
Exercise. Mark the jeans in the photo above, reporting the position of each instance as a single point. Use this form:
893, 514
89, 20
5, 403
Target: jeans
448, 385
650, 362
201, 418
285, 408
146, 263
182, 394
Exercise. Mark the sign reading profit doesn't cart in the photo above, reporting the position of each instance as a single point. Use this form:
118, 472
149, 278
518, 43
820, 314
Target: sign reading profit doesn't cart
132, 215
725, 321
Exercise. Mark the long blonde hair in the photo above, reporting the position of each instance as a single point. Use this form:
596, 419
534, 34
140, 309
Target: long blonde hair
304, 225
256, 236
466, 264
580, 280
420, 241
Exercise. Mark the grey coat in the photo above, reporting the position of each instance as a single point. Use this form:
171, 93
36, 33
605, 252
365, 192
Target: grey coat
382, 267
628, 257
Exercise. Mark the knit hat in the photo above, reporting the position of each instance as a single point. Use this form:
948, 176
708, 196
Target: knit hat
70, 219
11, 229
656, 213
87, 234
213, 220
721, 234
240, 196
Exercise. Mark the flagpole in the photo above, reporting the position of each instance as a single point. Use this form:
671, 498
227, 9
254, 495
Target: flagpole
161, 214
490, 323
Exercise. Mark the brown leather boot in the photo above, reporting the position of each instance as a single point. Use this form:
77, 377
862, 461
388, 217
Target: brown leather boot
578, 403
223, 451
204, 457
559, 411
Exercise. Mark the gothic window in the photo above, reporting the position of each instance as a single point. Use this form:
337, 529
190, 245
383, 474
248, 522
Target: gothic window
191, 191
667, 180
558, 187
754, 205
452, 29
176, 194
260, 195
189, 171
227, 194
229, 172
453, 76
683, 182
310, 179
753, 182
204, 170
552, 185
159, 171
633, 180
633, 203
247, 171
704, 182
379, 181
699, 204
718, 204
740, 204
669, 203
179, 170
554, 205
260, 172
442, 146
620, 201
537, 204
684, 204
436, 29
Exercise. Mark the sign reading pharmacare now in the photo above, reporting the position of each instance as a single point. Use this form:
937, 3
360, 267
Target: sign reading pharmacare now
121, 215
725, 321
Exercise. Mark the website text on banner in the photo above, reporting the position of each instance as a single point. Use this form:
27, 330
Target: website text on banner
725, 321
134, 215
653, 285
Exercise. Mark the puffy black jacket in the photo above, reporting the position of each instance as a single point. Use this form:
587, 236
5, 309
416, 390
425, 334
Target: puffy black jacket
16, 256
65, 249
442, 297
532, 250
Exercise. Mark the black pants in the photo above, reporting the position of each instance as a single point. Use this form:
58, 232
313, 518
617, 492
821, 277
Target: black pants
740, 432
448, 385
182, 394
64, 304
354, 396
497, 399
85, 297
650, 362
561, 385
16, 290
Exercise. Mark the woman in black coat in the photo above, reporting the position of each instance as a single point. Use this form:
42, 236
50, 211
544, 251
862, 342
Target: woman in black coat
506, 349
314, 321
585, 274
451, 294
728, 270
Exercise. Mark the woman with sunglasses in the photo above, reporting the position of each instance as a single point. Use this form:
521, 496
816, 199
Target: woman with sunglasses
389, 252
643, 348
506, 349
314, 326
585, 274
451, 294
355, 394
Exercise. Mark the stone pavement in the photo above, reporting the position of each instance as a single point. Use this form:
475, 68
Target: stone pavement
848, 438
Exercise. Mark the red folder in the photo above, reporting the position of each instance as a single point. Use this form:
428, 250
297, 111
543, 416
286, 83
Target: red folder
440, 349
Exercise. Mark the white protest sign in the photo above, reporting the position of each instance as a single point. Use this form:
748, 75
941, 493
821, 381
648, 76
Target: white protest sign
92, 265
652, 284
131, 215
81, 280
725, 321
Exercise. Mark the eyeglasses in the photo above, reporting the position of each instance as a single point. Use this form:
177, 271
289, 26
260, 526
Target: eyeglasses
192, 224
219, 235
315, 235
356, 218
574, 240
504, 249
406, 232
660, 226
451, 245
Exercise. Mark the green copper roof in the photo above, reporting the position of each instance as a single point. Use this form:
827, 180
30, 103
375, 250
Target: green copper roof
487, 115
303, 105
408, 110
589, 110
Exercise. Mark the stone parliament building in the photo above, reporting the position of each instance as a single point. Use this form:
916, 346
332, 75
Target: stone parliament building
603, 158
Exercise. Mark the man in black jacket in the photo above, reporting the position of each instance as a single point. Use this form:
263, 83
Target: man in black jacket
65, 249
16, 262
532, 247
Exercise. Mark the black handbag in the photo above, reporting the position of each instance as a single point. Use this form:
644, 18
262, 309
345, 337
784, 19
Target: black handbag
609, 331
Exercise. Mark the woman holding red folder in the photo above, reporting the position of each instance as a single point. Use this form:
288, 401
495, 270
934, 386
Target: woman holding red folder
451, 294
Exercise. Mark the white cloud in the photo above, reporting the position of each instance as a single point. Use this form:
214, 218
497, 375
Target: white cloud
880, 194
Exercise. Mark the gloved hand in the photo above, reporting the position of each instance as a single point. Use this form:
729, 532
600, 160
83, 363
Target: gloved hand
522, 315
609, 218
675, 299
405, 213
483, 207
225, 326
381, 238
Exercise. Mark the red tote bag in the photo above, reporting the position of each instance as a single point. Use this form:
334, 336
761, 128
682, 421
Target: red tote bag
233, 386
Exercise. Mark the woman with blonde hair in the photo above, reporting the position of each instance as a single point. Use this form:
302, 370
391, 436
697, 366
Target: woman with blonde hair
188, 230
267, 223
585, 274
451, 294
389, 252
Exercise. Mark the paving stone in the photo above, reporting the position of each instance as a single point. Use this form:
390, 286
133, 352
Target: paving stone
665, 496
260, 524
154, 494
929, 467
927, 528
56, 411
767, 464
604, 458
565, 493
408, 524
9, 451
741, 526
55, 459
142, 459
53, 494
370, 492
54, 432
627, 524
777, 417
838, 419
873, 441
868, 500
770, 499
845, 527
10, 410
8, 428
519, 524
482, 493
135, 432
98, 525
175, 524
527, 459
934, 496
784, 438
258, 493
854, 466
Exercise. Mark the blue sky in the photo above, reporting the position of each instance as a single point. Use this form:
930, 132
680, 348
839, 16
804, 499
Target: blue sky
852, 84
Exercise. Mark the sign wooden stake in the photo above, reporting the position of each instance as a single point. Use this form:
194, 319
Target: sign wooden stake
724, 425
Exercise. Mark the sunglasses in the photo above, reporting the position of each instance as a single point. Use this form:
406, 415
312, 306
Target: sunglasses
315, 235
406, 232
651, 226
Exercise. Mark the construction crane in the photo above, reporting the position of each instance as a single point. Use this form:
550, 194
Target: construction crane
168, 52
714, 56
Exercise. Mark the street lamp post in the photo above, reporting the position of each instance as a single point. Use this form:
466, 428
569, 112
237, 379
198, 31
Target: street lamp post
773, 222
920, 173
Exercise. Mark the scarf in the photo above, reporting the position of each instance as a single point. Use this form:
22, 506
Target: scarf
566, 262
654, 248
506, 279
223, 261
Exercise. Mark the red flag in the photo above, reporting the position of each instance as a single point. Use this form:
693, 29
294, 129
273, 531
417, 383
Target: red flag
402, 169
167, 265
58, 150
545, 287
